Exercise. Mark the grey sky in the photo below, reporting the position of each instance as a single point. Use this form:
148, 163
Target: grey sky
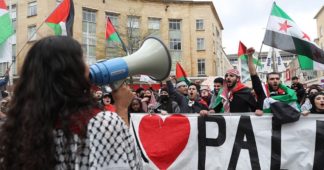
246, 20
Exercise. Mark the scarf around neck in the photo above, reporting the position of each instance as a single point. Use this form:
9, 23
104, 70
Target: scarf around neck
227, 94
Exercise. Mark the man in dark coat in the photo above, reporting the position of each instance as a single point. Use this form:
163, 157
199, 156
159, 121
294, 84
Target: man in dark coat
235, 96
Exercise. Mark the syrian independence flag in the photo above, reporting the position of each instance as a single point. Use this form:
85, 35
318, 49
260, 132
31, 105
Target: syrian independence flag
285, 107
306, 63
181, 74
62, 18
112, 35
283, 33
242, 54
6, 28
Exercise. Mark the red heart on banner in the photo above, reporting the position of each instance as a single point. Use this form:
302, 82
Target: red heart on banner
163, 141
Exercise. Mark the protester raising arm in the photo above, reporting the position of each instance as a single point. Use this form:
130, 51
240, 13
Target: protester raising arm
256, 82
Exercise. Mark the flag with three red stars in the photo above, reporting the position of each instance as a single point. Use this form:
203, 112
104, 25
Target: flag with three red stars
283, 33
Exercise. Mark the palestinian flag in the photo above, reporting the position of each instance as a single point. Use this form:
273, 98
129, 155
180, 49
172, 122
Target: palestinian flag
62, 18
283, 33
241, 54
181, 74
6, 28
306, 63
112, 35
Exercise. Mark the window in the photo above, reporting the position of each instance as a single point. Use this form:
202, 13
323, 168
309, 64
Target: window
175, 34
58, 2
14, 63
113, 48
200, 44
174, 24
133, 22
13, 15
321, 31
31, 34
133, 33
175, 44
201, 67
154, 25
233, 60
3, 67
114, 19
199, 24
89, 35
32, 9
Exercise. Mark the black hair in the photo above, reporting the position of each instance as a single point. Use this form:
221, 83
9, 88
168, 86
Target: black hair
52, 88
312, 101
271, 73
219, 80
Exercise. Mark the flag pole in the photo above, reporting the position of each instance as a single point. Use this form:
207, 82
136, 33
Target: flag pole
259, 55
265, 34
8, 67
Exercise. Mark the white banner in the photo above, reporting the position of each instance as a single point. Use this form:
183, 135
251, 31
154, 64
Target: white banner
219, 142
280, 65
145, 78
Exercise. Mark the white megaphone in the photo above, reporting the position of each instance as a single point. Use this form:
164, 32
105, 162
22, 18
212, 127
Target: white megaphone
152, 59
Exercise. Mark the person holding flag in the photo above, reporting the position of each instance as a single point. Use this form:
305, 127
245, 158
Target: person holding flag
274, 91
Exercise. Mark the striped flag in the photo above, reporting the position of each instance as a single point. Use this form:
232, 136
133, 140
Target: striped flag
283, 33
6, 28
181, 75
62, 18
112, 35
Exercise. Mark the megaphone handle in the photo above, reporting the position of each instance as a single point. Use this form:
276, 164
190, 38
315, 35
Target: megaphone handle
116, 84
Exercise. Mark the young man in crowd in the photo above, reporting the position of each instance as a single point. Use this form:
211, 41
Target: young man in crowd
187, 98
299, 88
235, 96
273, 90
218, 84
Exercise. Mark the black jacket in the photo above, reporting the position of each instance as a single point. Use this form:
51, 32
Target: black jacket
243, 101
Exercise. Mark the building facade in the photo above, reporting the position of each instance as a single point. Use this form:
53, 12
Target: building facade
191, 30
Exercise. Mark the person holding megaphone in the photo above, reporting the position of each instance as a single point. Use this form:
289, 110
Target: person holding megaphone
53, 121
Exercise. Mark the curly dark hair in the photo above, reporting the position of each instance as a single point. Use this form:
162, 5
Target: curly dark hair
52, 88
312, 101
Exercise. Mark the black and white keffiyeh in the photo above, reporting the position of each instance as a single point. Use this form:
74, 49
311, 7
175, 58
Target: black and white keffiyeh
108, 145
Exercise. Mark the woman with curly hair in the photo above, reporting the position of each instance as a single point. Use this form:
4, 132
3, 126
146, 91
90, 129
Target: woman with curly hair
310, 91
317, 101
53, 121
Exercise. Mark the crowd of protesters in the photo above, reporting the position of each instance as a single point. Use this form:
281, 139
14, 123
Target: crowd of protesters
229, 95
57, 120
